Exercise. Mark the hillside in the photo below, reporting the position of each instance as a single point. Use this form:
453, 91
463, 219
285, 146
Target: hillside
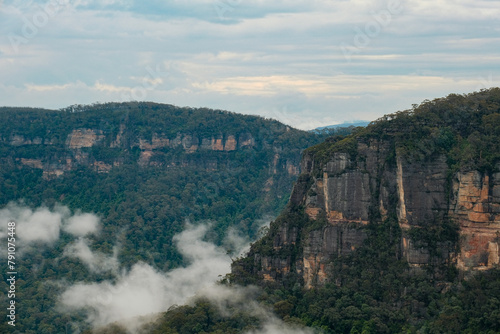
143, 169
392, 229
389, 220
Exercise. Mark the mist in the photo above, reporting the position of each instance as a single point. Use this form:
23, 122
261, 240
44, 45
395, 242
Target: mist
43, 226
231, 299
143, 290
136, 296
95, 261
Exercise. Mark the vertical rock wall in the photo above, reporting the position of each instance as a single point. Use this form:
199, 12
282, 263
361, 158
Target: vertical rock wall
340, 197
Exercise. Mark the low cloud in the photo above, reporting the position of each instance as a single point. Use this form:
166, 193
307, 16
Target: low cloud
96, 262
44, 225
138, 295
234, 299
138, 292
82, 224
276, 326
41, 225
143, 290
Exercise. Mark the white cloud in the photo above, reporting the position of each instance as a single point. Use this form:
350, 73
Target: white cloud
82, 224
43, 225
136, 296
97, 262
275, 326
32, 226
143, 290
232, 299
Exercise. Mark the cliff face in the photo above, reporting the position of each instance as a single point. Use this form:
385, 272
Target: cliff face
346, 192
448, 215
104, 137
84, 138
476, 206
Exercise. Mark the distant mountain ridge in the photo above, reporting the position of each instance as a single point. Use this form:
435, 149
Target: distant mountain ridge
343, 125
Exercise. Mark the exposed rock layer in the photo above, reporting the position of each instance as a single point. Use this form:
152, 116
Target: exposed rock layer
80, 141
349, 192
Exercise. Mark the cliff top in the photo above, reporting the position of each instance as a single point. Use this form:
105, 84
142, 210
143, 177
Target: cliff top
465, 128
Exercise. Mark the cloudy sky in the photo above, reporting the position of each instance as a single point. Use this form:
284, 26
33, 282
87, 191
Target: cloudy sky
307, 63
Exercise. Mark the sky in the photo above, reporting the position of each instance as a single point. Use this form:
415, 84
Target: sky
307, 63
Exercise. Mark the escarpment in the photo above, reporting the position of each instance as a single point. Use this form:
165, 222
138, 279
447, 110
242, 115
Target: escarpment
426, 169
79, 144
104, 137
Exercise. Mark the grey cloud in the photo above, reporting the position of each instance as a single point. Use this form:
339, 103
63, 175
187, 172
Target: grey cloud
446, 46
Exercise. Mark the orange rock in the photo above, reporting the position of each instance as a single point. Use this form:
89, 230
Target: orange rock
217, 144
312, 212
479, 217
230, 144
83, 138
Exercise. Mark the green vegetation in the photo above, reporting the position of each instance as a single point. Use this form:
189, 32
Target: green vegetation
335, 144
465, 128
375, 292
141, 207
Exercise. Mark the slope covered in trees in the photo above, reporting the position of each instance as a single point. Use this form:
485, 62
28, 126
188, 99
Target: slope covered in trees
375, 287
144, 169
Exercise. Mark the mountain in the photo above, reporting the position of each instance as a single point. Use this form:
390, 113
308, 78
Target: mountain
411, 203
392, 229
143, 169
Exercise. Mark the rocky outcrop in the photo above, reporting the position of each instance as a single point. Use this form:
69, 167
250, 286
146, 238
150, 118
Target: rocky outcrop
322, 245
422, 193
341, 194
192, 143
17, 140
476, 206
84, 138
33, 163
99, 149
78, 142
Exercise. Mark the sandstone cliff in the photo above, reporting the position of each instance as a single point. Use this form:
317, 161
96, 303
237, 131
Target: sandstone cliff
104, 137
80, 139
448, 210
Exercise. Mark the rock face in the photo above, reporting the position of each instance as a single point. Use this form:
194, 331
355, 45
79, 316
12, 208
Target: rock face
83, 138
342, 193
100, 140
322, 245
476, 206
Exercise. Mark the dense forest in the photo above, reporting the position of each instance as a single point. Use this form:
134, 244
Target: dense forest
141, 207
